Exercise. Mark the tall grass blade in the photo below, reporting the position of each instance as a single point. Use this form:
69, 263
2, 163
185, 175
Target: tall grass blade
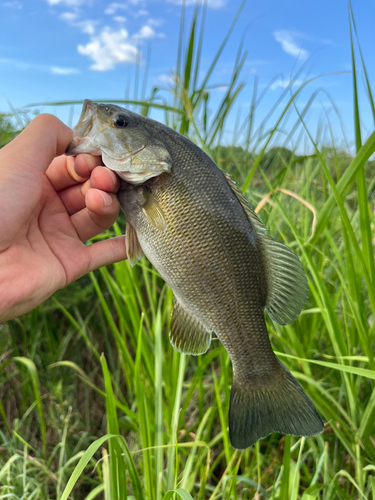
184, 495
344, 184
31, 368
117, 473
364, 210
172, 453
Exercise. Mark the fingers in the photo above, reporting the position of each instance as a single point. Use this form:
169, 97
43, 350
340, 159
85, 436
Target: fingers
101, 178
100, 214
106, 252
66, 171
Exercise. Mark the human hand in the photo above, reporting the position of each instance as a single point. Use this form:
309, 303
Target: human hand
50, 205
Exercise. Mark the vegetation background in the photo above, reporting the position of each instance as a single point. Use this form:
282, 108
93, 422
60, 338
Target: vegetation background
95, 403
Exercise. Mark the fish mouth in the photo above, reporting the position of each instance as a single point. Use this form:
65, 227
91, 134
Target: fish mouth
82, 141
88, 109
123, 158
132, 176
137, 177
133, 158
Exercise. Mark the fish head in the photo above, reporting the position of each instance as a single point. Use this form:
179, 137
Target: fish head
119, 136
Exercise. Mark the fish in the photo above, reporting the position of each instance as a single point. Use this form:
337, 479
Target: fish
193, 223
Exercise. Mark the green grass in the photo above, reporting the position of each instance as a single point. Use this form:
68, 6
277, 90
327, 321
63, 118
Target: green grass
141, 421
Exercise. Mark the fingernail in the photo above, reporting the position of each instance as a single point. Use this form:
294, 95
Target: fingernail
107, 198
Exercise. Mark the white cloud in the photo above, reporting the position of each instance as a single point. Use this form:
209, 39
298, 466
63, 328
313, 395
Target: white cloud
69, 17
57, 70
114, 7
14, 4
26, 66
166, 79
155, 22
21, 65
69, 3
147, 32
213, 4
120, 19
142, 12
289, 46
108, 49
86, 25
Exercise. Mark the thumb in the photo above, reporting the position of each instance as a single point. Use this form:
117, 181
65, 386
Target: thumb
23, 163
33, 150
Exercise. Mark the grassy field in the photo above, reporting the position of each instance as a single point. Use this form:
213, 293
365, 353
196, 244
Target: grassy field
95, 403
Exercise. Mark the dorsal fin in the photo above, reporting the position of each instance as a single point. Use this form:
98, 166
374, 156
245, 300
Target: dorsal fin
287, 288
251, 215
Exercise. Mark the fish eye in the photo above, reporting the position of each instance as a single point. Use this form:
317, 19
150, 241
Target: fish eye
121, 121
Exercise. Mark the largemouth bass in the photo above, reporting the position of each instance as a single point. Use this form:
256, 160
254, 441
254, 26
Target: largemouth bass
195, 226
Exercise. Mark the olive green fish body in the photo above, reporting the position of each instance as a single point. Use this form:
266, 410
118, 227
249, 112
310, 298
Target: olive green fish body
209, 253
197, 229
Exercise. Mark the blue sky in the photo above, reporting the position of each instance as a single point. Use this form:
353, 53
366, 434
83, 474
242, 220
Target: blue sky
75, 49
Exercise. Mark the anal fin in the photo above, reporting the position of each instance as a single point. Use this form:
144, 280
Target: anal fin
187, 334
133, 248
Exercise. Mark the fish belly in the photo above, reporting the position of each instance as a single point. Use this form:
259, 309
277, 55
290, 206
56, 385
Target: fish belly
211, 258
212, 263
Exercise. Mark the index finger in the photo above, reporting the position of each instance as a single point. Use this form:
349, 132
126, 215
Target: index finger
66, 171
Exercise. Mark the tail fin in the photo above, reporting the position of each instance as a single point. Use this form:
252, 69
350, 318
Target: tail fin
258, 411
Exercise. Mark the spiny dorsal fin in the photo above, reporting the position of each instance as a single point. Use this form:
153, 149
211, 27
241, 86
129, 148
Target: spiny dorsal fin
187, 334
251, 215
286, 281
133, 248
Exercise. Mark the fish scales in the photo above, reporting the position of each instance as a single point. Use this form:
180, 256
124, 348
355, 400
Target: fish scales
197, 229
216, 225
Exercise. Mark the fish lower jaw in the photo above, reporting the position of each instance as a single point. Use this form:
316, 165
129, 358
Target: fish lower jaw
80, 144
137, 177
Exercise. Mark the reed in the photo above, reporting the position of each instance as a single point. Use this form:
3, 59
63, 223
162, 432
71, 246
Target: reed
141, 421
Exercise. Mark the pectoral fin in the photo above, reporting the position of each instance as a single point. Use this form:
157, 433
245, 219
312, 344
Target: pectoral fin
187, 334
133, 248
153, 211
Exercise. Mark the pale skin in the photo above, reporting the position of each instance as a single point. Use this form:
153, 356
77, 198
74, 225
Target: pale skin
50, 204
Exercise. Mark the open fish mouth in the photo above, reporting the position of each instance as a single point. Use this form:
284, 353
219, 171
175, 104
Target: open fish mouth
121, 160
137, 177
113, 133
122, 167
